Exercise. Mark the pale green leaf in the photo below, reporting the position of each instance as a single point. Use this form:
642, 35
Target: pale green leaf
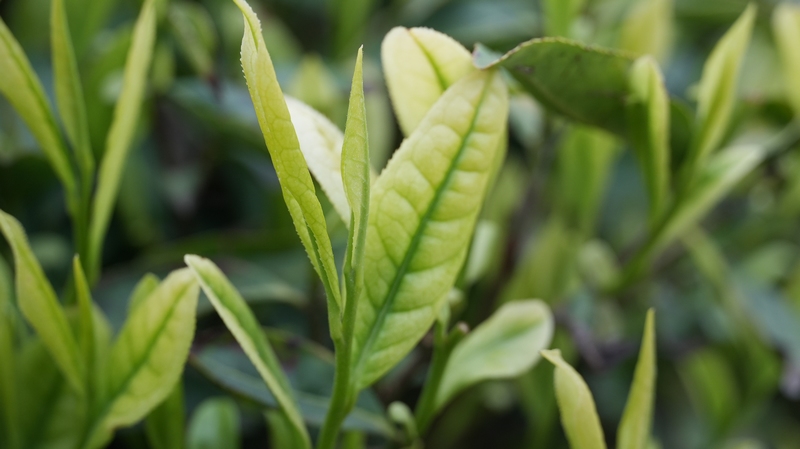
505, 345
559, 16
165, 425
22, 88
717, 91
215, 425
39, 304
147, 358
648, 125
576, 405
86, 338
634, 429
419, 65
121, 133
242, 323
142, 290
287, 158
647, 29
423, 210
786, 26
195, 35
69, 92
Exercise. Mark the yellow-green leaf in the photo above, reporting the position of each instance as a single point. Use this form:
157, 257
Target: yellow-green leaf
242, 323
215, 425
423, 210
575, 402
121, 132
559, 16
142, 290
505, 345
786, 26
419, 65
634, 429
647, 29
38, 303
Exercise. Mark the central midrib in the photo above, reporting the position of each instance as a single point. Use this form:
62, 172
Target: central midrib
403, 268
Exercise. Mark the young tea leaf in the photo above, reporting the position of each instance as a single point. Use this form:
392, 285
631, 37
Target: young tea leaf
786, 26
505, 345
419, 65
164, 426
245, 328
142, 290
647, 30
215, 425
575, 402
39, 305
634, 429
423, 210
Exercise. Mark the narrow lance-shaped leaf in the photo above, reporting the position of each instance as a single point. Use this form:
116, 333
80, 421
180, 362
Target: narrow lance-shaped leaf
419, 65
506, 345
634, 429
39, 304
20, 85
575, 402
786, 25
717, 92
69, 92
423, 210
648, 120
147, 358
146, 285
121, 132
195, 35
245, 328
290, 166
215, 425
86, 338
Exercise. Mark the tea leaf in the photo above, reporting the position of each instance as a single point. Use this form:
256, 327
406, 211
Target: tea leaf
121, 133
10, 435
576, 405
647, 30
142, 290
587, 84
69, 92
717, 91
423, 210
245, 328
164, 426
38, 303
634, 429
648, 119
215, 425
786, 26
147, 359
559, 15
86, 338
284, 148
505, 345
195, 35
20, 85
419, 65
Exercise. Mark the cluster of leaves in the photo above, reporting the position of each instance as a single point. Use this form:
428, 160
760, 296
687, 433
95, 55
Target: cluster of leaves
445, 232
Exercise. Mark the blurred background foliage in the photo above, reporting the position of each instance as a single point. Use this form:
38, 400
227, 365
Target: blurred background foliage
568, 210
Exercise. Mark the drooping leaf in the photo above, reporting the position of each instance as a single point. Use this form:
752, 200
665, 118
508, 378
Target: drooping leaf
786, 26
647, 29
634, 429
717, 92
22, 88
287, 158
648, 119
165, 425
121, 133
39, 305
147, 358
419, 65
576, 405
504, 346
584, 83
69, 92
215, 425
423, 210
245, 328
195, 34
142, 290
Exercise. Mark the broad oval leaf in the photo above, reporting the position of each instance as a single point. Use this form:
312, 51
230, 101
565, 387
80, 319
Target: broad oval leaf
505, 345
585, 83
242, 323
634, 429
147, 358
39, 305
576, 405
215, 425
786, 26
423, 210
419, 65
